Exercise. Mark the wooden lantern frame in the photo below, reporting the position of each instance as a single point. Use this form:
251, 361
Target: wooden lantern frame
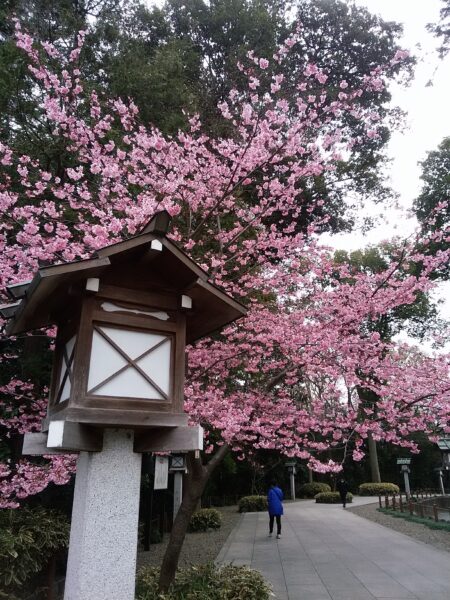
150, 286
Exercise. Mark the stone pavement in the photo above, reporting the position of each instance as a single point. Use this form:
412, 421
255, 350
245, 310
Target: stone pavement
328, 553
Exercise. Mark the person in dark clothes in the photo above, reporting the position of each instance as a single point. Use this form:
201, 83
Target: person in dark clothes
275, 507
342, 488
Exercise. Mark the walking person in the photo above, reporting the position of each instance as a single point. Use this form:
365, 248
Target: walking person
275, 507
342, 488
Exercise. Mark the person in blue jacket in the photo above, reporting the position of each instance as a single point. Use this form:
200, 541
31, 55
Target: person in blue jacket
275, 507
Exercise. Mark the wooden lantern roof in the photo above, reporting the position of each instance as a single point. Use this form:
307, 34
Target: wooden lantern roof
140, 261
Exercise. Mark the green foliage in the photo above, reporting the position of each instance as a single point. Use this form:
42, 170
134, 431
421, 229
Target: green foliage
204, 519
441, 29
28, 538
435, 189
309, 490
377, 489
332, 498
442, 525
252, 504
182, 58
205, 582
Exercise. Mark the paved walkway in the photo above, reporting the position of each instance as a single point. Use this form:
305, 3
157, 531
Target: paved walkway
329, 553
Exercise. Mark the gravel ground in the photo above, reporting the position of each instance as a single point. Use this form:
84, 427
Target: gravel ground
434, 537
197, 547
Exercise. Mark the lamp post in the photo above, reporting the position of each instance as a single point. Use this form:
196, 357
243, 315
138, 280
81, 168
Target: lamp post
292, 469
123, 319
405, 462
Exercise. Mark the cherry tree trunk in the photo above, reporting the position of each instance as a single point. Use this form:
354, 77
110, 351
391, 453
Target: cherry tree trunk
373, 458
196, 479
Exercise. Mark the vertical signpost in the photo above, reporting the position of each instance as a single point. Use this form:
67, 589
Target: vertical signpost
161, 473
123, 319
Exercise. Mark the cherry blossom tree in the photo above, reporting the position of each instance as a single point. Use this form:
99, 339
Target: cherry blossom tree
286, 376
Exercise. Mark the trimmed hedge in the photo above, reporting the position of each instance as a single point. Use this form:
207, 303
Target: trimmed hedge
377, 489
252, 504
309, 490
332, 498
204, 519
205, 582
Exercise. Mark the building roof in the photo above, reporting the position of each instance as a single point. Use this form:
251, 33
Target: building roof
39, 301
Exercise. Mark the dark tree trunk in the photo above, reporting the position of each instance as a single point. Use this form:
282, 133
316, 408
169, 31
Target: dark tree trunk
196, 479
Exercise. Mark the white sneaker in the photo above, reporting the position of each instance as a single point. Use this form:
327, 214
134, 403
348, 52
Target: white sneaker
278, 536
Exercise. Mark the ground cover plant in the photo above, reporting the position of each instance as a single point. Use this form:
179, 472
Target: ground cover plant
442, 525
204, 519
205, 582
252, 504
28, 539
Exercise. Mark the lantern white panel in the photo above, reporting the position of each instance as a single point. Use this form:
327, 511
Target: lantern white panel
156, 365
65, 395
133, 343
129, 384
105, 361
67, 384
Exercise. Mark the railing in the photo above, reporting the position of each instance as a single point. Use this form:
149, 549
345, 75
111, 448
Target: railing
423, 504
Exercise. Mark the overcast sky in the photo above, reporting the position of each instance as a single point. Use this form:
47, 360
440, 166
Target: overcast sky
426, 106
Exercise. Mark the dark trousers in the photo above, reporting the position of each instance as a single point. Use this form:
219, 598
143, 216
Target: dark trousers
271, 519
343, 497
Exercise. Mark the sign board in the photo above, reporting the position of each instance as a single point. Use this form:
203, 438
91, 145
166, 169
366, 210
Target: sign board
161, 472
403, 461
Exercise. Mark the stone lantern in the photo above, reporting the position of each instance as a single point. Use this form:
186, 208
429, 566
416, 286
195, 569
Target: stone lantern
444, 447
123, 319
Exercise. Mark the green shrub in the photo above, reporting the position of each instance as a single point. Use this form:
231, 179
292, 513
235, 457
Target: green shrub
28, 538
331, 498
205, 582
377, 489
204, 519
252, 504
309, 490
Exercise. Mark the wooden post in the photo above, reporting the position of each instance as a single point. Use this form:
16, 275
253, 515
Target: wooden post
394, 507
379, 501
386, 501
401, 503
435, 513
410, 506
421, 510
